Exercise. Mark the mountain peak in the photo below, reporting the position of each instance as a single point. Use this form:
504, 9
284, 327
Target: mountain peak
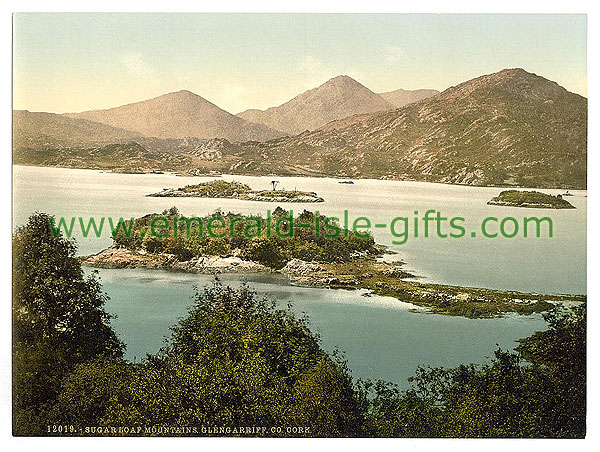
185, 92
179, 114
341, 82
514, 70
181, 94
337, 98
511, 127
341, 78
516, 81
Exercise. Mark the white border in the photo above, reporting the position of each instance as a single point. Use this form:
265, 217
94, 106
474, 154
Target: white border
321, 6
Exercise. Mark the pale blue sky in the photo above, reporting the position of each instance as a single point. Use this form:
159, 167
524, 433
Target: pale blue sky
74, 62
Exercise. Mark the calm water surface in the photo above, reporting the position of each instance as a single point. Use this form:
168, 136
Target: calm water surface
545, 265
381, 338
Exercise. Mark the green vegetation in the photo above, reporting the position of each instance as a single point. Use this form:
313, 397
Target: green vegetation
518, 198
129, 157
217, 189
58, 321
237, 190
469, 302
343, 261
234, 361
538, 391
238, 361
247, 236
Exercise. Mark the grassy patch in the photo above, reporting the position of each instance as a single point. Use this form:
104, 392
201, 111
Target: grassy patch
517, 198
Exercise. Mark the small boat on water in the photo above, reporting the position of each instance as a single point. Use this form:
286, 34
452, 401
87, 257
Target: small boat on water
346, 182
567, 193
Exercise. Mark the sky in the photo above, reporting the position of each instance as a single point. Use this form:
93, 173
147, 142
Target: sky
71, 62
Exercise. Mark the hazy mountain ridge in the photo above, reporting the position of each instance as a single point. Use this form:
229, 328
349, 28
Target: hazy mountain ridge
337, 98
507, 128
118, 157
175, 117
33, 129
401, 97
179, 115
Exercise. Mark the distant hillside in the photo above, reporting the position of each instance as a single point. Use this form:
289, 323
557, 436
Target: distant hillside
510, 128
401, 97
337, 98
507, 128
179, 115
117, 157
32, 129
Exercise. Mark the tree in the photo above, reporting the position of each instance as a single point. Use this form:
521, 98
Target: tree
235, 360
537, 392
267, 251
58, 318
561, 352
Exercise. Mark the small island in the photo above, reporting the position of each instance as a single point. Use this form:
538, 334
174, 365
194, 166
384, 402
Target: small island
237, 190
532, 199
347, 261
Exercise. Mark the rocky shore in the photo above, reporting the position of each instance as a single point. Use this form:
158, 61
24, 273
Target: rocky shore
236, 190
264, 196
124, 258
382, 278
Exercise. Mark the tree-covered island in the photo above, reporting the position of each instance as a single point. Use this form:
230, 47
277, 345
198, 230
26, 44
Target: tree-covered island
330, 256
237, 190
533, 199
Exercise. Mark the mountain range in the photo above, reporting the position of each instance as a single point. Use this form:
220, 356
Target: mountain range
401, 97
31, 129
179, 115
337, 98
507, 128
183, 114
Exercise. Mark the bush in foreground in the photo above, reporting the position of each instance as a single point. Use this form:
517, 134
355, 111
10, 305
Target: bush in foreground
238, 361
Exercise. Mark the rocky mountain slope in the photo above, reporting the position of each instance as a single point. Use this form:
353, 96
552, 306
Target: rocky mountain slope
510, 128
36, 129
401, 97
337, 98
507, 128
179, 115
118, 157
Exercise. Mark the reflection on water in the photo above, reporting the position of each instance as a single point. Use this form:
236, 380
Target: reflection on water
546, 265
381, 338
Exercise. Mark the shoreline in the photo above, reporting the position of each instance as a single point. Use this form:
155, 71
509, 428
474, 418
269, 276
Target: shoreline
219, 189
381, 278
304, 176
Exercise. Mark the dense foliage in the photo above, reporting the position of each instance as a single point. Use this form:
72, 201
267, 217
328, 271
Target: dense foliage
237, 190
523, 198
238, 361
252, 237
539, 391
217, 189
234, 361
58, 320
